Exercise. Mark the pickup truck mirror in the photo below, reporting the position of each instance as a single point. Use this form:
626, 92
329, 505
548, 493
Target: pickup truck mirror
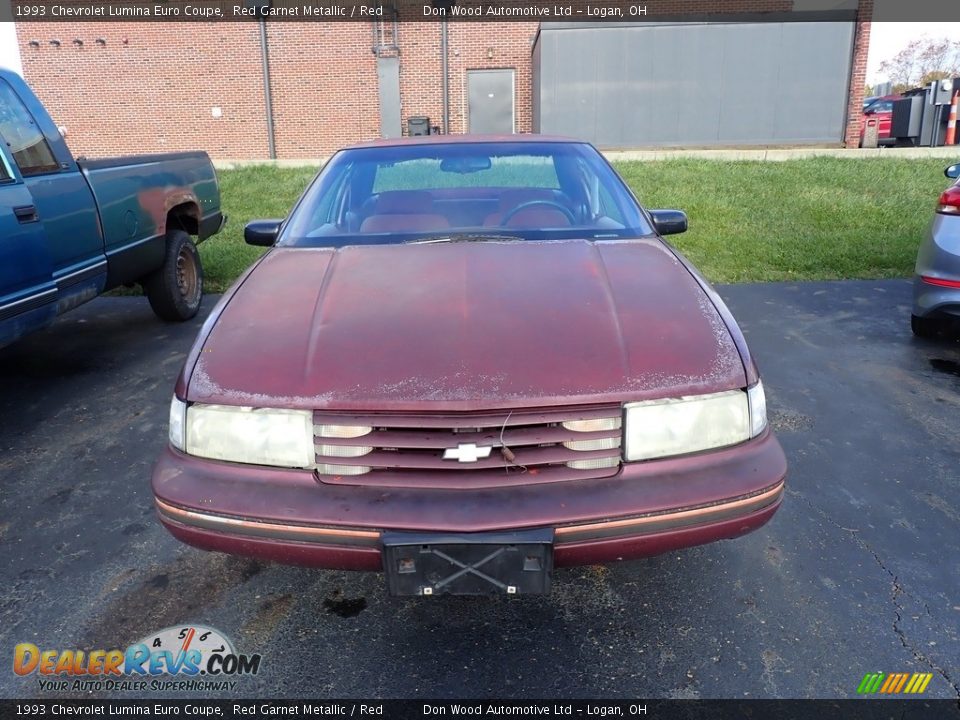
262, 232
952, 172
669, 222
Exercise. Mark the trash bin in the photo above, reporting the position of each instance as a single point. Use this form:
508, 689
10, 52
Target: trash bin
871, 133
418, 126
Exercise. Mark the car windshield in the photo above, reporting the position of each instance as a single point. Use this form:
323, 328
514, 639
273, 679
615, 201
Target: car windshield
464, 190
880, 106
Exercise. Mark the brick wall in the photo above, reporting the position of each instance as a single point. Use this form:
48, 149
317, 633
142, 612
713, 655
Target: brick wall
470, 46
858, 75
153, 86
323, 80
504, 45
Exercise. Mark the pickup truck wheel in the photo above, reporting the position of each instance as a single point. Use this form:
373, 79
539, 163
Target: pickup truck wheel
175, 290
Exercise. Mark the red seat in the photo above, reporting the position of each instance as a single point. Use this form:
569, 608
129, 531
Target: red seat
404, 211
403, 202
404, 222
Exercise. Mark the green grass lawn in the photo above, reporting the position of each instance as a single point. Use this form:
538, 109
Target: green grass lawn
814, 219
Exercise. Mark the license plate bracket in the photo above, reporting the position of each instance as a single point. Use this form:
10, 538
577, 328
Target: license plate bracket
499, 563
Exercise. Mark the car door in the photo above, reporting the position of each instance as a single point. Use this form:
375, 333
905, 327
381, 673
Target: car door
28, 293
64, 202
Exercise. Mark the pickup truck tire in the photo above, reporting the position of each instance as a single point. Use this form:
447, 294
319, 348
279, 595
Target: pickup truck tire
175, 290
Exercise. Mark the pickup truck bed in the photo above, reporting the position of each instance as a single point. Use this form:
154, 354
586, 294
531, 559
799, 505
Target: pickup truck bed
164, 182
74, 228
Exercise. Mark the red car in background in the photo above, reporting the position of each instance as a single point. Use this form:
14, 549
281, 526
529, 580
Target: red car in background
880, 109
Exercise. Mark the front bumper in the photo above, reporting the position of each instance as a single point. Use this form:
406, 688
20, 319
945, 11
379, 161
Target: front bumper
648, 508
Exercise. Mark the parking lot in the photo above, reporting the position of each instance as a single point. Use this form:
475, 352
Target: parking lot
858, 572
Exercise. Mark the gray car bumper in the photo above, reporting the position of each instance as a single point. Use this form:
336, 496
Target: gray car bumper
938, 259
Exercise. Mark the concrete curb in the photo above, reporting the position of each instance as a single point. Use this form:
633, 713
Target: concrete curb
727, 154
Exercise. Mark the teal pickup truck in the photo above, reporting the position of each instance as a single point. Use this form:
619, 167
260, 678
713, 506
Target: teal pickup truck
71, 229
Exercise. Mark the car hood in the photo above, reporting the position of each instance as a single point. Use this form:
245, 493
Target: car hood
465, 326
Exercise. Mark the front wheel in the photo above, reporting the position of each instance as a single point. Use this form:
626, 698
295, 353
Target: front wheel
175, 290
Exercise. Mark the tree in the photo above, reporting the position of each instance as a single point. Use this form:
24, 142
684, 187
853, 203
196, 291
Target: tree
923, 60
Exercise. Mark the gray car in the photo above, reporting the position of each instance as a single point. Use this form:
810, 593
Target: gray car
936, 284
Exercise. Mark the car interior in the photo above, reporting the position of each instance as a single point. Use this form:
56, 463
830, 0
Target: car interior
464, 193
422, 210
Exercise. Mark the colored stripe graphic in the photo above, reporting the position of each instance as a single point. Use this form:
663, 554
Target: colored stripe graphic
870, 683
894, 683
890, 682
865, 683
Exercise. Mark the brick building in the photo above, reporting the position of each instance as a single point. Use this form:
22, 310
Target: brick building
154, 86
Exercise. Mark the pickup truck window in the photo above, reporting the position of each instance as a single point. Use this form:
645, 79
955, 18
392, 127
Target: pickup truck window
5, 175
25, 140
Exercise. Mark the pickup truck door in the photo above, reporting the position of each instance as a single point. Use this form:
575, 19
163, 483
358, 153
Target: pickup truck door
28, 293
63, 200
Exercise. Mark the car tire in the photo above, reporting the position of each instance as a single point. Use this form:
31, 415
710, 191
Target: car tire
926, 327
176, 288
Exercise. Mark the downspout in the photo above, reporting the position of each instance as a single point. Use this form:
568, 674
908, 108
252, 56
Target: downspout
267, 92
445, 69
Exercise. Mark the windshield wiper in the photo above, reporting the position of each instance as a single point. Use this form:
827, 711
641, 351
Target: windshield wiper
462, 237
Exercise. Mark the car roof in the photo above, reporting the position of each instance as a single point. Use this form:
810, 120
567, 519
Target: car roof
464, 140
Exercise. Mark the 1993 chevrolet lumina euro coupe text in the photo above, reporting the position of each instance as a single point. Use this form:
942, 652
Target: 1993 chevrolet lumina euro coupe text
464, 361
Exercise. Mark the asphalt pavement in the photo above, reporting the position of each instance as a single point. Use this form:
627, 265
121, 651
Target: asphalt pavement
859, 571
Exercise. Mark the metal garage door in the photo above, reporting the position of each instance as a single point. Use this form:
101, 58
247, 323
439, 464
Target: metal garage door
490, 94
388, 83
694, 84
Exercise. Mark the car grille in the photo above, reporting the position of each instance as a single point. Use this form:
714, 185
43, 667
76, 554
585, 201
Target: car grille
407, 450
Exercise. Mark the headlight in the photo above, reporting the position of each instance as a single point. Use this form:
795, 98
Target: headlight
677, 426
178, 422
258, 436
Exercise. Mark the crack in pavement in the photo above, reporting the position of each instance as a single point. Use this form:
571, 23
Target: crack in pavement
897, 590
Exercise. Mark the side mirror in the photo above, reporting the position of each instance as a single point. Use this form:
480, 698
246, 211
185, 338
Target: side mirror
952, 172
669, 222
262, 233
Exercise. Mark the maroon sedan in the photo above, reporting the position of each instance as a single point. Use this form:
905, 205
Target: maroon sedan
466, 361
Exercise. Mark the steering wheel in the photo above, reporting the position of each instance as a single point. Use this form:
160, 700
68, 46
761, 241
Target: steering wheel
507, 216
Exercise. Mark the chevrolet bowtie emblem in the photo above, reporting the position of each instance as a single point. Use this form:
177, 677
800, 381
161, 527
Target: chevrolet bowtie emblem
466, 452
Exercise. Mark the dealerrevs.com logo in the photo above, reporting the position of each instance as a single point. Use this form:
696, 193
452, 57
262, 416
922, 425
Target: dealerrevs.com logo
188, 658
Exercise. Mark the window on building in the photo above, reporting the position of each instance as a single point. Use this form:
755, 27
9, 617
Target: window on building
19, 130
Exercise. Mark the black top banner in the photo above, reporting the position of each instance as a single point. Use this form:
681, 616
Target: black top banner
577, 11
914, 709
